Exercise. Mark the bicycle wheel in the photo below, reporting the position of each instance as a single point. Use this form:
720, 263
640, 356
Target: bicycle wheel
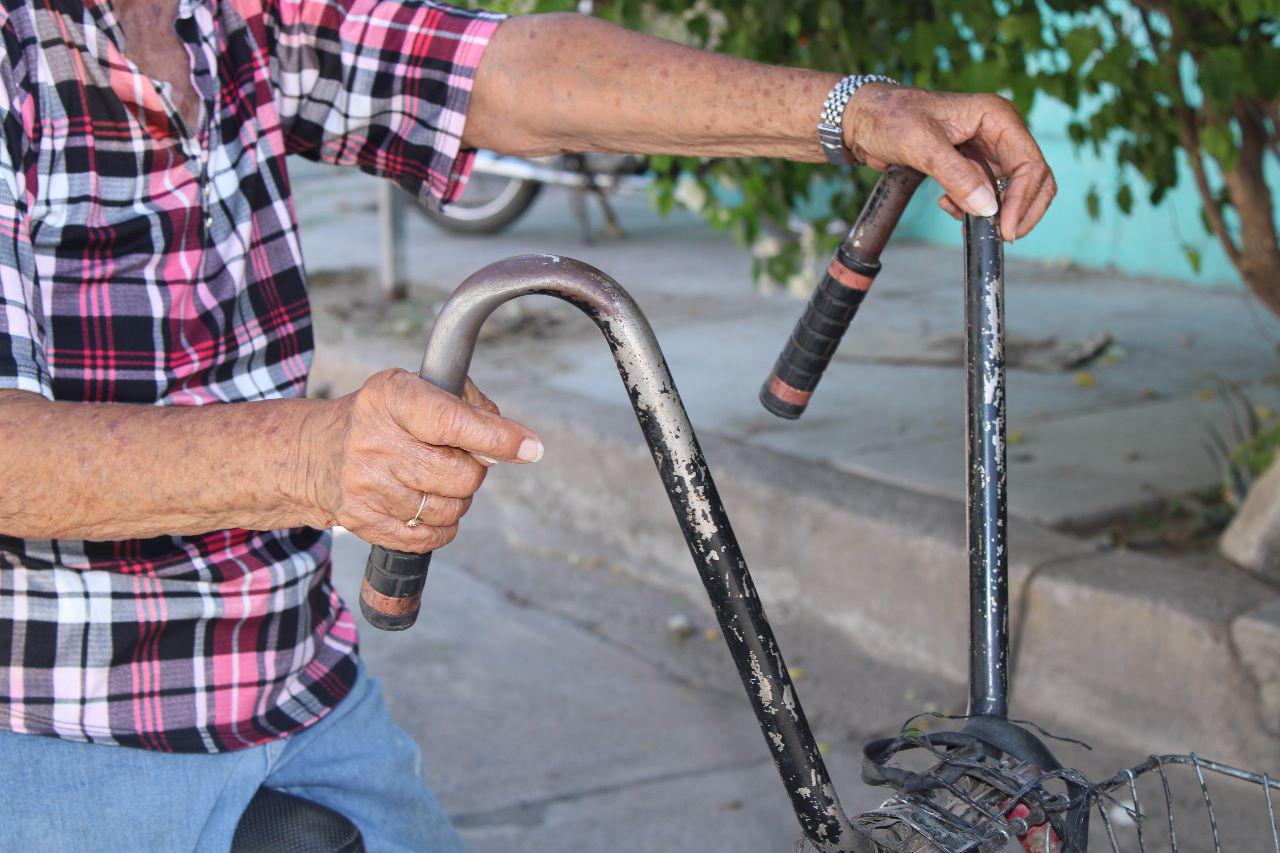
488, 205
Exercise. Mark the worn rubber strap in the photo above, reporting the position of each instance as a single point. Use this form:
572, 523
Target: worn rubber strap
876, 755
814, 341
391, 593
1014, 740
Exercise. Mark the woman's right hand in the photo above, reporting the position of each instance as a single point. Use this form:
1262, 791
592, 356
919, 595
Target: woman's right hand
376, 452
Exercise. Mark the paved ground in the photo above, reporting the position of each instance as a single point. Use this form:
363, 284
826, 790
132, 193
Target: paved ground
541, 733
1086, 442
557, 713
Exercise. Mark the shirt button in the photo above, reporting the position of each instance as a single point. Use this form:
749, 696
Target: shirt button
208, 223
208, 190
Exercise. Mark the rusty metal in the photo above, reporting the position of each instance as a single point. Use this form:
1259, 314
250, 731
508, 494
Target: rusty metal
693, 496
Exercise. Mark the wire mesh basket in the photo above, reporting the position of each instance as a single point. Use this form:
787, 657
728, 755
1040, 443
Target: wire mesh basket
973, 798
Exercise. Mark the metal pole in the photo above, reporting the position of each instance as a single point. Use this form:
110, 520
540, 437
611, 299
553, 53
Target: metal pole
391, 237
987, 533
693, 496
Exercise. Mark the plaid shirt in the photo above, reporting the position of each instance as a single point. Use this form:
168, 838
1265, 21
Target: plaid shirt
142, 261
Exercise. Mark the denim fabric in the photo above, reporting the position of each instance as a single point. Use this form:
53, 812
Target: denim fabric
58, 795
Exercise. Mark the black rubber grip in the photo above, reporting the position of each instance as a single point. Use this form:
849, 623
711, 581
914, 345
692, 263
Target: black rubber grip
809, 350
391, 594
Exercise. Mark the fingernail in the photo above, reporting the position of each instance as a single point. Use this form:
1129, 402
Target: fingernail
530, 450
982, 201
487, 460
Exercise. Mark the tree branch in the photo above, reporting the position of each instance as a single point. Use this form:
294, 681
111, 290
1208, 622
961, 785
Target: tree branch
1189, 134
1273, 141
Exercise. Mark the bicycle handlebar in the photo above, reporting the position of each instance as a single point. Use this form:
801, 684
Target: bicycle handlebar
835, 302
693, 495
391, 594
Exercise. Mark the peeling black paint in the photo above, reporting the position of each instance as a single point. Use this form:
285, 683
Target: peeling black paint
987, 500
701, 514
693, 495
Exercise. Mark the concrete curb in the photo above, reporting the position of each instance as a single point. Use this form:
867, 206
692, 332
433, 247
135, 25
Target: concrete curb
886, 568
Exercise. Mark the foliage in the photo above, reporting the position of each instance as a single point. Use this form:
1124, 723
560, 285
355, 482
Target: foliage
1156, 78
1170, 523
1250, 446
1164, 83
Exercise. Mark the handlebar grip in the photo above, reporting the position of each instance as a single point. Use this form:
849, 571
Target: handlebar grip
391, 593
833, 305
809, 349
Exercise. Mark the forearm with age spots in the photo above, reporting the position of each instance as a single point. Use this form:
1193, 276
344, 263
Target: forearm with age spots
552, 83
117, 471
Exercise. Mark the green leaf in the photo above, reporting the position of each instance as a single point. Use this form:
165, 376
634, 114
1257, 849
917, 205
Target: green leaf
1193, 256
700, 28
1220, 143
1124, 199
1080, 44
1092, 202
1222, 75
794, 25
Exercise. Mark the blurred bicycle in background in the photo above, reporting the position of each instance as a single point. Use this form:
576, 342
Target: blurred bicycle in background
502, 188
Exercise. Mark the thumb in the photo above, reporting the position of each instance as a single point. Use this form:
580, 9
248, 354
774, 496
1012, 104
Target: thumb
460, 424
436, 417
964, 181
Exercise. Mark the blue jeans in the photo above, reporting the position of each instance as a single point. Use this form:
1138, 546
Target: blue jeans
58, 795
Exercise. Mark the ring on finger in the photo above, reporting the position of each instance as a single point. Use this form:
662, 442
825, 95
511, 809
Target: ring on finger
417, 516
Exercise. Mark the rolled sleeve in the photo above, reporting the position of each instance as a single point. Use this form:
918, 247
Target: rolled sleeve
383, 85
23, 362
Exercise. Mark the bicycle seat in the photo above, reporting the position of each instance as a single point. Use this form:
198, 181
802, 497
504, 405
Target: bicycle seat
276, 822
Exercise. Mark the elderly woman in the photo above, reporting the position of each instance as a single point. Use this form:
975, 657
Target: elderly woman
169, 637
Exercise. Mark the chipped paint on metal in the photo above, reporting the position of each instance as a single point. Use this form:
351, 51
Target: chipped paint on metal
987, 511
691, 490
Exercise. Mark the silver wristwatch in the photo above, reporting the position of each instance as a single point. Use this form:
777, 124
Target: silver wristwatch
831, 125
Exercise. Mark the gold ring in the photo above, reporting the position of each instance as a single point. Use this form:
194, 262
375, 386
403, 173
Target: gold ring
417, 519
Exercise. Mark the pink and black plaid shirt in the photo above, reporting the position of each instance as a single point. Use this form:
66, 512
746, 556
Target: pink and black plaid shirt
142, 261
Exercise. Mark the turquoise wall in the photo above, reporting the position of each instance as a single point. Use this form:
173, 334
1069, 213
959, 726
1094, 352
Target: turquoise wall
1147, 242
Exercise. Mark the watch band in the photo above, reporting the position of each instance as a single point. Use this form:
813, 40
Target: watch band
831, 124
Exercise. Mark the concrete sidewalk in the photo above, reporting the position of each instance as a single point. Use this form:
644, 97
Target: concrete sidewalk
542, 733
556, 712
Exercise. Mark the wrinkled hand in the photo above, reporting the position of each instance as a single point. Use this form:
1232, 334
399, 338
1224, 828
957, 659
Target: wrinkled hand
898, 125
398, 437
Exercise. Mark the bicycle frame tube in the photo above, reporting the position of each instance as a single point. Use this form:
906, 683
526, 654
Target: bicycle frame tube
705, 524
693, 496
987, 502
